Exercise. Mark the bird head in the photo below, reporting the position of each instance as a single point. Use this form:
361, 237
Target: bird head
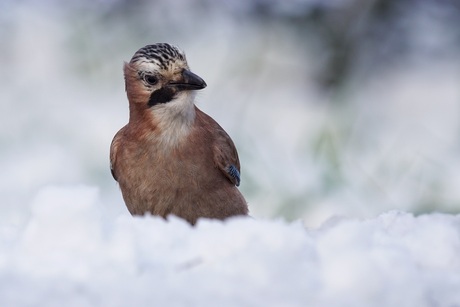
158, 75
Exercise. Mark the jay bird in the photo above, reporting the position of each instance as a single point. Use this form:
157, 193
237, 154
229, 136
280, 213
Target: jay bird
171, 158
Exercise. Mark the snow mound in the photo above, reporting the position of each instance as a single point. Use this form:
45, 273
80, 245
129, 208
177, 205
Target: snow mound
69, 253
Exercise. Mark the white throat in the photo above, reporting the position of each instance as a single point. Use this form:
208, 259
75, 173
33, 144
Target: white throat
175, 119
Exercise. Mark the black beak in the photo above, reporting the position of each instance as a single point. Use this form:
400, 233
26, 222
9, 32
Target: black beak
189, 81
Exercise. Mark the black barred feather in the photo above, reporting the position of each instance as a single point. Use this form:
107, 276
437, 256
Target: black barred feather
161, 53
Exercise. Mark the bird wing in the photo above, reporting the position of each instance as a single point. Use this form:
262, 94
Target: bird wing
225, 155
114, 147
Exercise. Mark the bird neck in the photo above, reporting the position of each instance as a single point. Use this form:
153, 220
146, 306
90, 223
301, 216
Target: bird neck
171, 121
180, 110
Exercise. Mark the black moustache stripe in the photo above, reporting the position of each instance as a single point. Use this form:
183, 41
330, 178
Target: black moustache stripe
162, 95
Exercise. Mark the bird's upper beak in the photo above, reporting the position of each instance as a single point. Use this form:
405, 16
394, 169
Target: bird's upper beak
189, 81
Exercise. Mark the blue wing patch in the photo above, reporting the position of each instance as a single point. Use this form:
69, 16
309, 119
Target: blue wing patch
234, 173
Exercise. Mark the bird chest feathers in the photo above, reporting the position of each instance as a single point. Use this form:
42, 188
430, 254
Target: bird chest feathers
173, 122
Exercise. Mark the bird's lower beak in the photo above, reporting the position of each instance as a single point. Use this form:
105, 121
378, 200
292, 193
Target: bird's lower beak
189, 81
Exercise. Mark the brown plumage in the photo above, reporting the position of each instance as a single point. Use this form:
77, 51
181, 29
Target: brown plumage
171, 158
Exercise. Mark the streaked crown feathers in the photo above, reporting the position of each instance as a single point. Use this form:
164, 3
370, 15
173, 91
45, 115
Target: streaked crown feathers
161, 54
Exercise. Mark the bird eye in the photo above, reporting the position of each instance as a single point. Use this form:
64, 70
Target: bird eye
150, 79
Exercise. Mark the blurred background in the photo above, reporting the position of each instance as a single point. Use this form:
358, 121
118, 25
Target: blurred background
337, 107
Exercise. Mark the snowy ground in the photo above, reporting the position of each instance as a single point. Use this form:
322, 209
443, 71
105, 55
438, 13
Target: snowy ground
69, 253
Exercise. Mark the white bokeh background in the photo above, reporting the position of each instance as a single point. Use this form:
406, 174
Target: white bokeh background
386, 139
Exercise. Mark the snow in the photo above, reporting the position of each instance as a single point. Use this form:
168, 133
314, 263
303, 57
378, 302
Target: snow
70, 252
